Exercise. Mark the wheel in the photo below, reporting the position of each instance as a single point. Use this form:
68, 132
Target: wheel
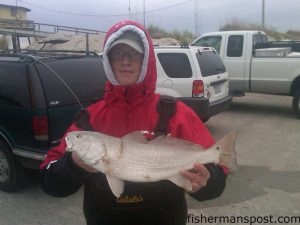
296, 103
12, 175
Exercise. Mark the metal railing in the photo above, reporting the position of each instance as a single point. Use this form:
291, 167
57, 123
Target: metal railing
27, 28
16, 24
28, 25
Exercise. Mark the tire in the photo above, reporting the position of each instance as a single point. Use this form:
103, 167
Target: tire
12, 175
296, 103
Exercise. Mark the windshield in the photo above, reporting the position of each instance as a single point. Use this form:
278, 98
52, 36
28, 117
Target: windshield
209, 41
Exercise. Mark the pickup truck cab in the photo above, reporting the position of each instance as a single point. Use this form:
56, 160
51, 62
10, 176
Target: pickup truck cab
256, 65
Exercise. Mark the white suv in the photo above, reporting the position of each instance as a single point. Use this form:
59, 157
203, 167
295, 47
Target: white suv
196, 76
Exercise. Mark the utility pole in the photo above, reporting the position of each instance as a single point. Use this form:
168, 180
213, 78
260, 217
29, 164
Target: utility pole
129, 11
16, 10
263, 15
14, 37
144, 13
197, 18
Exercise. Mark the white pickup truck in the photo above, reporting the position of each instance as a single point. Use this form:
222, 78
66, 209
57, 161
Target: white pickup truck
256, 65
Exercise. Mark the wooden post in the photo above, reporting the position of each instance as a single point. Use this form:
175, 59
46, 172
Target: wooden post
14, 42
87, 49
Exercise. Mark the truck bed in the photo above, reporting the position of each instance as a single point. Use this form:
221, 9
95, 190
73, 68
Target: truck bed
294, 45
272, 52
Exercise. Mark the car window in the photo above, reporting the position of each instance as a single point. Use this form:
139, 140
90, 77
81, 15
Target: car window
14, 89
258, 38
85, 77
259, 41
210, 63
209, 41
235, 46
175, 65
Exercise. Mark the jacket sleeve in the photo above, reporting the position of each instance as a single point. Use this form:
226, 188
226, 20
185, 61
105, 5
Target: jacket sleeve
62, 177
187, 125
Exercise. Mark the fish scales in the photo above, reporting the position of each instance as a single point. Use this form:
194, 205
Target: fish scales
158, 164
139, 162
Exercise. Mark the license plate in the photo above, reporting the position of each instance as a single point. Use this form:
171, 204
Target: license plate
217, 89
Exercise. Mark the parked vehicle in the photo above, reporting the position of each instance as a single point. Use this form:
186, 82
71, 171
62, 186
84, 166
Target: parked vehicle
40, 93
256, 65
196, 76
36, 107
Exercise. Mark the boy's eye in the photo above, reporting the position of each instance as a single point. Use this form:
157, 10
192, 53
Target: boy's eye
119, 54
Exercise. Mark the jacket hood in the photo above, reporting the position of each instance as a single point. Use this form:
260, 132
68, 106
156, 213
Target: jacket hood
147, 80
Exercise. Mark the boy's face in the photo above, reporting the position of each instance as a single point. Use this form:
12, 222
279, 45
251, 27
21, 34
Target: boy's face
126, 64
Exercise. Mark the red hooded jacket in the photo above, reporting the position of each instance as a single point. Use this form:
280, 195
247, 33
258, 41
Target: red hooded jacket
125, 109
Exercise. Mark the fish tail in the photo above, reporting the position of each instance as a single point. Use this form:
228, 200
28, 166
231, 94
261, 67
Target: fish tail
228, 154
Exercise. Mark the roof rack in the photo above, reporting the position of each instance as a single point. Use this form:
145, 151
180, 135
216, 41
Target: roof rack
185, 46
49, 52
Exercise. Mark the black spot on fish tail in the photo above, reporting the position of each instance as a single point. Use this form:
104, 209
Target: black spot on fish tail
228, 154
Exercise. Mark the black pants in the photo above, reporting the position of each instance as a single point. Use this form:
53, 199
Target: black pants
158, 203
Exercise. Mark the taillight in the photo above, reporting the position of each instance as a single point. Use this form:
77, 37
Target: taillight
198, 88
40, 127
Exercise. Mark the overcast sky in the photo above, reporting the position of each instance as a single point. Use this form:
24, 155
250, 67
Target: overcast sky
168, 14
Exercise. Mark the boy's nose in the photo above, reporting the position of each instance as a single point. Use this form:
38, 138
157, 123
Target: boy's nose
126, 58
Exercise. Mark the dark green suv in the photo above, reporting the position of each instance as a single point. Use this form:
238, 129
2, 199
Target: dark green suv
36, 106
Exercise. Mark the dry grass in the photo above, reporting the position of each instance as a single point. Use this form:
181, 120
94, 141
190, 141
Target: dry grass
184, 37
272, 33
3, 44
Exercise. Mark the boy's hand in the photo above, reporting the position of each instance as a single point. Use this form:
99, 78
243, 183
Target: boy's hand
198, 176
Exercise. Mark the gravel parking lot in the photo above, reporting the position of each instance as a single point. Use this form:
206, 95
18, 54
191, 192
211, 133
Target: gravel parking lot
267, 184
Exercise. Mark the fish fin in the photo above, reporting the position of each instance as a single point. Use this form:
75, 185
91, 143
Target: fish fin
228, 153
69, 144
181, 181
135, 137
172, 141
163, 140
116, 185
